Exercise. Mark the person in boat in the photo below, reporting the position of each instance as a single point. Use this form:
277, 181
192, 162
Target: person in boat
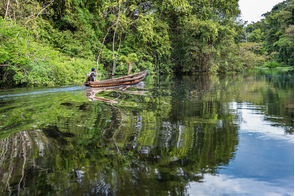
91, 75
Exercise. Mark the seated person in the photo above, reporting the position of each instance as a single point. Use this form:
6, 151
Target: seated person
91, 76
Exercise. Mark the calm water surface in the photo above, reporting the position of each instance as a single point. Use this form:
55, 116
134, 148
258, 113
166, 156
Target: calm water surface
186, 135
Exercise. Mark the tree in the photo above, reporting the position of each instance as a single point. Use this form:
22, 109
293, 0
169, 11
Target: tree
276, 33
131, 58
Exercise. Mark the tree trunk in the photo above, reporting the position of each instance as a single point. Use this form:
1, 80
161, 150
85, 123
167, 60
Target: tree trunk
6, 9
114, 58
120, 41
129, 68
97, 62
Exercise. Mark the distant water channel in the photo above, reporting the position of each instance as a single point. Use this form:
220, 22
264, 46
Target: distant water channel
229, 134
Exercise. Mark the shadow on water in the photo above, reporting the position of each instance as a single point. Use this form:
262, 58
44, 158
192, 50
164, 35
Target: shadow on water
151, 140
54, 133
67, 104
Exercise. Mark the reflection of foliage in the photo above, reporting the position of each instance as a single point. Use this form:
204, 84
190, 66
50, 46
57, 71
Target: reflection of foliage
144, 145
36, 112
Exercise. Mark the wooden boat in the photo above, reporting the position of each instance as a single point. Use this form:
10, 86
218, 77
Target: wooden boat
124, 80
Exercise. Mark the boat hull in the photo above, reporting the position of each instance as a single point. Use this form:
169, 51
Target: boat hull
125, 80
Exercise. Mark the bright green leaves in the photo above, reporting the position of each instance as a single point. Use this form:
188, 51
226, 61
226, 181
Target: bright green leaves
176, 5
32, 63
152, 30
146, 28
285, 48
208, 30
219, 10
130, 59
13, 43
256, 36
3, 55
166, 36
276, 32
204, 45
22, 55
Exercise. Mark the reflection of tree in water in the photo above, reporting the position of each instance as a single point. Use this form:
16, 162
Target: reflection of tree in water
143, 145
181, 148
122, 154
17, 152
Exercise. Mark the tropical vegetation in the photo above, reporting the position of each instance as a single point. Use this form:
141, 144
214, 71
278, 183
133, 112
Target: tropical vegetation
57, 42
273, 36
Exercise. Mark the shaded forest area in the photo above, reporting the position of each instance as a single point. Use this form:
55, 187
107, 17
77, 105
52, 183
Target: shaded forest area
57, 41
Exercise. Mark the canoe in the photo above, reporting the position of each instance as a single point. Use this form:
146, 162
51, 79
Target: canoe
124, 80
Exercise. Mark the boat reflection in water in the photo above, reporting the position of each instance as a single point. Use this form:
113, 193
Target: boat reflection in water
92, 93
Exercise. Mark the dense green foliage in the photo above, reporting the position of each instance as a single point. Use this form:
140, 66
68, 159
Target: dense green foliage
275, 35
57, 42
27, 61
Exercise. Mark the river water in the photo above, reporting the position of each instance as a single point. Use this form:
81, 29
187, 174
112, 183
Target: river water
229, 134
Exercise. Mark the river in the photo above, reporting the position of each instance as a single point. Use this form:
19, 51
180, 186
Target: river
226, 134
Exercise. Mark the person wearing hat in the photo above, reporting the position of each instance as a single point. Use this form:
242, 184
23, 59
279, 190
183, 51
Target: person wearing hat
93, 74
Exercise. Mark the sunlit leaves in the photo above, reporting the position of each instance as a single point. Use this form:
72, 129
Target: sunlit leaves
276, 34
32, 63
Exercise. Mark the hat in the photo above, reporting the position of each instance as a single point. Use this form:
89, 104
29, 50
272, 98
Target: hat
92, 69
